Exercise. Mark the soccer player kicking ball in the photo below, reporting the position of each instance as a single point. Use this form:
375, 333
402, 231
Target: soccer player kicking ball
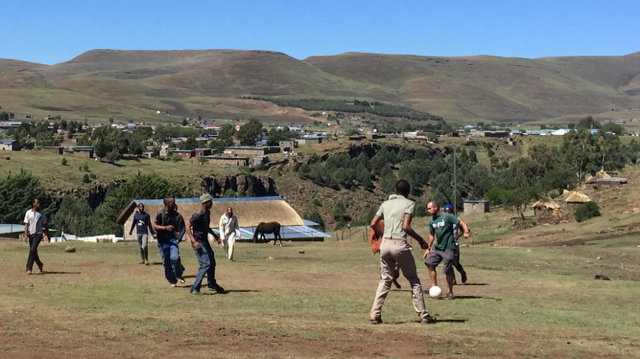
441, 227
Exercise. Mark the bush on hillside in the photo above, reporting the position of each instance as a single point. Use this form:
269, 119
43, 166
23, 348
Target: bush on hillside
587, 210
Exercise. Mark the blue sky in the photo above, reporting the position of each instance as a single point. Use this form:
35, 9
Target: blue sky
50, 32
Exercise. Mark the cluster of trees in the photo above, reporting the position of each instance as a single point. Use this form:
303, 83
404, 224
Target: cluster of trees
545, 170
4, 116
249, 134
111, 143
166, 133
551, 170
18, 192
339, 171
42, 134
38, 133
73, 214
225, 137
352, 106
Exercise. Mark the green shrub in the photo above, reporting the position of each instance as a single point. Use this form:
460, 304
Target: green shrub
64, 161
176, 158
587, 210
86, 178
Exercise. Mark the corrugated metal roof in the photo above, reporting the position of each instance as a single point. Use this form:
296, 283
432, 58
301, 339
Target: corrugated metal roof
11, 228
309, 223
221, 199
286, 232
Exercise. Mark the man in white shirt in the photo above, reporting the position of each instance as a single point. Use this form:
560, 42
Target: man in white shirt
228, 226
34, 222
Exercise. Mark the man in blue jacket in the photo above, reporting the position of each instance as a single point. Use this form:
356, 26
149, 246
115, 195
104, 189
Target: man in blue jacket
142, 223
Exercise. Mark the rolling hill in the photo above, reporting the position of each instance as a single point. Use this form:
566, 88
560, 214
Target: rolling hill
133, 85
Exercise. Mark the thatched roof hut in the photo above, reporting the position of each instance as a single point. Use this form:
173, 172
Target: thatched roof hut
598, 176
547, 207
577, 198
250, 211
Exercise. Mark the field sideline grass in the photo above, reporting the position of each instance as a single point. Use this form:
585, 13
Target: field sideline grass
519, 302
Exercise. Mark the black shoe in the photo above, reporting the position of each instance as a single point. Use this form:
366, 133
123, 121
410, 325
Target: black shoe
376, 321
464, 276
40, 267
181, 280
218, 289
428, 320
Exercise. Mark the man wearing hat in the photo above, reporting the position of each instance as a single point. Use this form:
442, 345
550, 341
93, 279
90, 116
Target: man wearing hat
198, 230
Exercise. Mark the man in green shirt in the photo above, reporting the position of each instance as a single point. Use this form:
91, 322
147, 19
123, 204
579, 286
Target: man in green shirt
441, 227
397, 212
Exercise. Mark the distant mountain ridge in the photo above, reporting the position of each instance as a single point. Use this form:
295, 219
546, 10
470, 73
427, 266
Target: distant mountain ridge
188, 82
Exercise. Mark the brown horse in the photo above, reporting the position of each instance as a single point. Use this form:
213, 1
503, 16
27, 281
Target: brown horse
268, 228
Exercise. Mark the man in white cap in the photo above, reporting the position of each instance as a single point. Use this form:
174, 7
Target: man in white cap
228, 226
199, 224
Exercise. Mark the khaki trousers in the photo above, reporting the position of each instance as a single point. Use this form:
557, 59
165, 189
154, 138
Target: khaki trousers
392, 252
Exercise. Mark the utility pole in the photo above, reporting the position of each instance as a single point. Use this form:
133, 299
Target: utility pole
455, 184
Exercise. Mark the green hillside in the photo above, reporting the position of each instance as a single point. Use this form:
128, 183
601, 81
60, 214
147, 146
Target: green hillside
190, 83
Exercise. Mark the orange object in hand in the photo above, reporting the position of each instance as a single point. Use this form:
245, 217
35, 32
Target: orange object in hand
376, 242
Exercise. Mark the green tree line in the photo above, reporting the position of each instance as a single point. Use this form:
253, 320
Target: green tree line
352, 106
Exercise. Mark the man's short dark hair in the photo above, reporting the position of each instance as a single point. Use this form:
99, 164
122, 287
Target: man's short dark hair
167, 200
403, 187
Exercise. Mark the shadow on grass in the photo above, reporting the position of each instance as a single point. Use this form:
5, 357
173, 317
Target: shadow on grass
48, 272
463, 284
469, 297
452, 321
417, 322
241, 291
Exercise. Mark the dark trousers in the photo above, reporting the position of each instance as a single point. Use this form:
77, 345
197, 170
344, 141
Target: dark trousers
34, 242
456, 260
207, 263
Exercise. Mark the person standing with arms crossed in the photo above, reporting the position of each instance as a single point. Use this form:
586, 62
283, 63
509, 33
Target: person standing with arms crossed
166, 224
199, 224
456, 254
34, 221
441, 227
397, 212
228, 226
142, 223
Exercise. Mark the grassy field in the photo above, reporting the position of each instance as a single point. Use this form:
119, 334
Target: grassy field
188, 173
519, 302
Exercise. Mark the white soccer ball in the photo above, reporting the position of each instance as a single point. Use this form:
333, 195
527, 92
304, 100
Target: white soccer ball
435, 291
